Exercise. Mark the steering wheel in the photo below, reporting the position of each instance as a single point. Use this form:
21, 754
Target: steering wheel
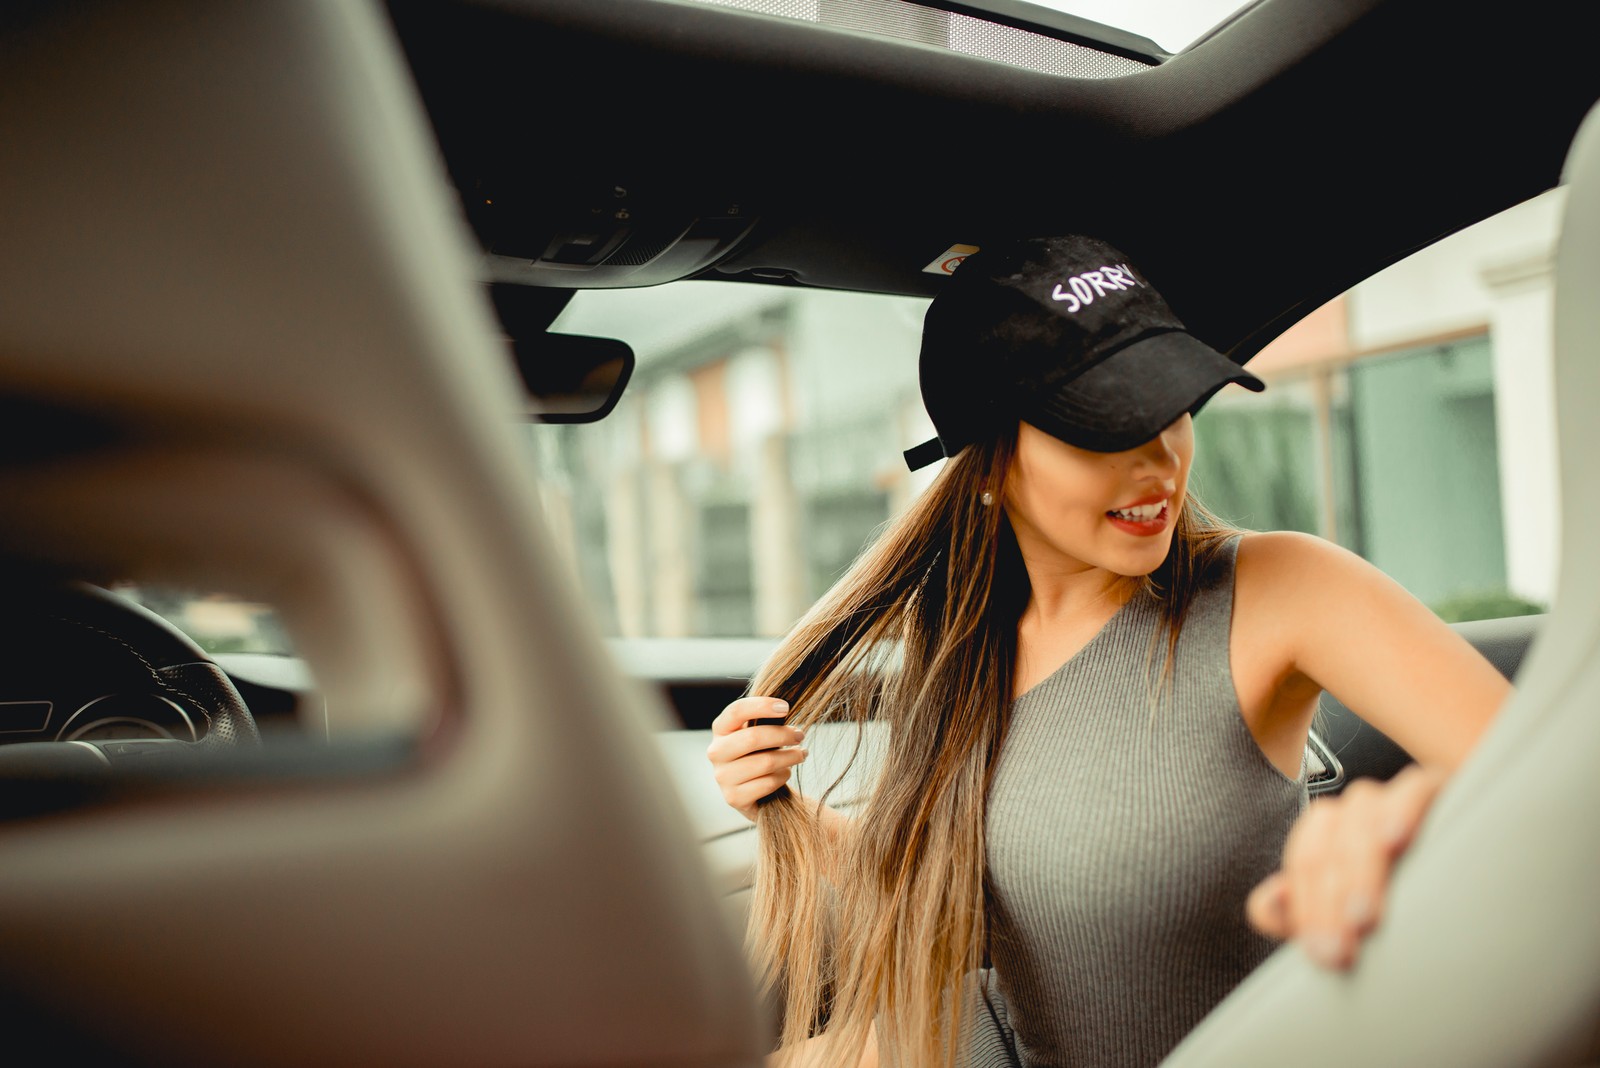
85, 666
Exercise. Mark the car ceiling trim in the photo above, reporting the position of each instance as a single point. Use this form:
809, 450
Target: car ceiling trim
1198, 115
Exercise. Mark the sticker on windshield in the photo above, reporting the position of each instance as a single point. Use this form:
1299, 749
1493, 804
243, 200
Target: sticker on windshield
951, 259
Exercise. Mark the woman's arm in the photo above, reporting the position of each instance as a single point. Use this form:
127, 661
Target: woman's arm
1342, 625
1346, 627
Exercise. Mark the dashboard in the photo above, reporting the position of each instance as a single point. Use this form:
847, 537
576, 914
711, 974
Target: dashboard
92, 682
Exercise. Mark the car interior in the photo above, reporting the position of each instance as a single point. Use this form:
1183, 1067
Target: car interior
279, 281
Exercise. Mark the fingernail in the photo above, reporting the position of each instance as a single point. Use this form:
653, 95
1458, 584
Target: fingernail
1323, 949
1358, 910
800, 732
780, 706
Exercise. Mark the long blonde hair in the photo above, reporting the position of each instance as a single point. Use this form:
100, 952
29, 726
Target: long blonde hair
899, 927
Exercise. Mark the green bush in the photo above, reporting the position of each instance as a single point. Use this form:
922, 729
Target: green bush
1485, 604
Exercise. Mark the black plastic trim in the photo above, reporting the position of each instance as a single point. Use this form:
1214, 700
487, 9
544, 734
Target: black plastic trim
629, 362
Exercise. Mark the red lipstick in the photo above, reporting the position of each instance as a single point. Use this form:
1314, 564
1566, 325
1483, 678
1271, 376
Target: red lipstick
1143, 528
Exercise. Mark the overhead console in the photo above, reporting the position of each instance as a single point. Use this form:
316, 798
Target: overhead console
604, 235
567, 148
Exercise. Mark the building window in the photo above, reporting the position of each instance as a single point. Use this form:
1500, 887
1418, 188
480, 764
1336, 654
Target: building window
1423, 481
1393, 456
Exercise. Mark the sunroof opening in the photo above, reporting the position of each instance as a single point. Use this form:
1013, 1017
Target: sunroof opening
1018, 35
1072, 38
1172, 24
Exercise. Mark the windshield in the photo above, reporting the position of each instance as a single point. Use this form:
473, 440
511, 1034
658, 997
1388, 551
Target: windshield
758, 447
754, 453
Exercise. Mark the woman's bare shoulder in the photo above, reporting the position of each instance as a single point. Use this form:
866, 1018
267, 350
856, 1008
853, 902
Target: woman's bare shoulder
1285, 545
1276, 563
1305, 605
1281, 580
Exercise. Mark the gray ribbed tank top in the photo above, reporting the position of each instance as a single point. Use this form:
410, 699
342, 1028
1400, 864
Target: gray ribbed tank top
1122, 841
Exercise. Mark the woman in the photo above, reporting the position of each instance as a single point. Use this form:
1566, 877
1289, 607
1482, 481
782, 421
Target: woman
1096, 698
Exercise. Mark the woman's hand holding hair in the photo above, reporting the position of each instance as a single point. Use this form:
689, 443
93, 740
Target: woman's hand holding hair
1328, 894
750, 760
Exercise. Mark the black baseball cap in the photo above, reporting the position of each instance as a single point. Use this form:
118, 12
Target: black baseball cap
1062, 333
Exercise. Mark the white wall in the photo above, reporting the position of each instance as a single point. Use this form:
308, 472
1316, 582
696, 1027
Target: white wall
1442, 289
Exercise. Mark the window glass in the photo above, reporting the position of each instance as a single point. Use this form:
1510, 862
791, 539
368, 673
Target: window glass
218, 622
1256, 457
759, 445
1421, 436
757, 449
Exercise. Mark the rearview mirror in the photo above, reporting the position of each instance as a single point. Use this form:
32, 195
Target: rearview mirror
570, 378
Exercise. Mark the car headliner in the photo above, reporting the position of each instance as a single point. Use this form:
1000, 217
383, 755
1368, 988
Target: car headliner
1293, 153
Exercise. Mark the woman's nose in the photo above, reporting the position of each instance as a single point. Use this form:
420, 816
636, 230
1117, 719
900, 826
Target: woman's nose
1160, 453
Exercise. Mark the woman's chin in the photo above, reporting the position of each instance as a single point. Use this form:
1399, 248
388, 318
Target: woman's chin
1141, 559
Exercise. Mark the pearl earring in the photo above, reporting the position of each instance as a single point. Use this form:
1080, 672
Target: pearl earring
987, 498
